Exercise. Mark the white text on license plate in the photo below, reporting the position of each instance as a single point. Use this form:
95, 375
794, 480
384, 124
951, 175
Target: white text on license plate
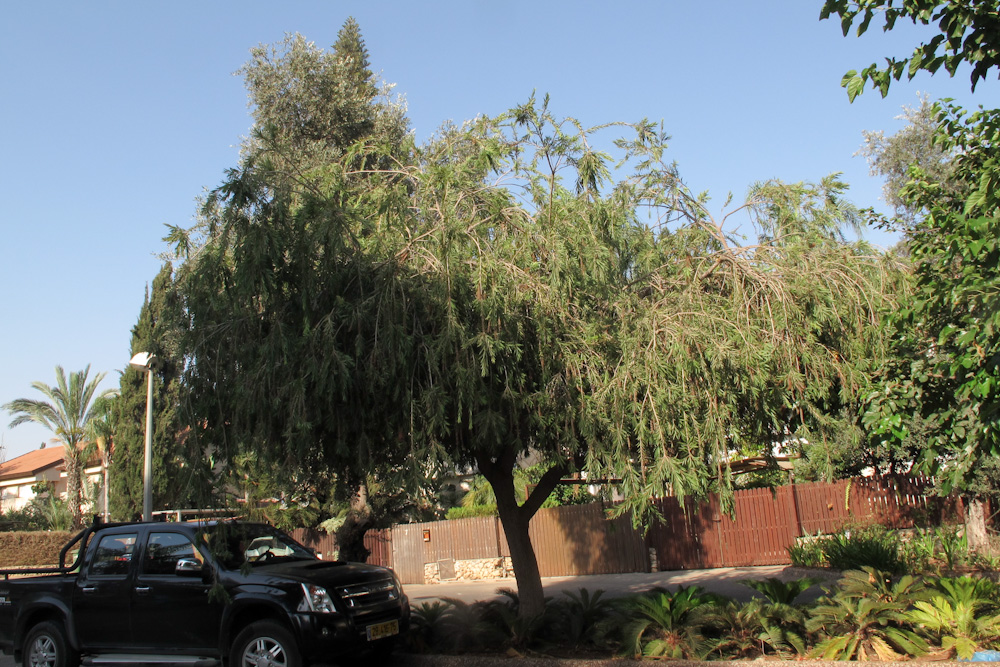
381, 630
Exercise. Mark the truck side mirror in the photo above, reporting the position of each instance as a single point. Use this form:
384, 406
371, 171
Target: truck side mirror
188, 567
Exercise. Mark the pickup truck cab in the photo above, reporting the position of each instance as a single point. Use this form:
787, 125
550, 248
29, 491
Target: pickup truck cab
239, 594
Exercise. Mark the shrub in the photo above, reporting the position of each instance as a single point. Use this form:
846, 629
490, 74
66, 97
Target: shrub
781, 592
866, 619
665, 625
585, 619
32, 548
868, 547
471, 511
807, 553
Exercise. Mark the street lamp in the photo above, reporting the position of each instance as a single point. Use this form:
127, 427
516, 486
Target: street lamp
143, 361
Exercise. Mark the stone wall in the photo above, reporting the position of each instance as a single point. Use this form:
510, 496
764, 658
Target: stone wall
468, 570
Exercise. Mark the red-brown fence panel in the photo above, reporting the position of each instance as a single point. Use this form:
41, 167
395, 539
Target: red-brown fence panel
675, 539
323, 544
379, 545
581, 539
760, 530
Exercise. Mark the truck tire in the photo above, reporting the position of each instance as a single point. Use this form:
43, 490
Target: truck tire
265, 643
46, 646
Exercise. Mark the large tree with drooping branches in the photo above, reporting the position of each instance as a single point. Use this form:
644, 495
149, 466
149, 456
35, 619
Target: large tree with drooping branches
519, 285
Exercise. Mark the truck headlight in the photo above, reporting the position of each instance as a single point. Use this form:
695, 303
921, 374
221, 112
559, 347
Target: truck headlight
315, 598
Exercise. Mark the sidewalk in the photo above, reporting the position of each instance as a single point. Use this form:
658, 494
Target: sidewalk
725, 581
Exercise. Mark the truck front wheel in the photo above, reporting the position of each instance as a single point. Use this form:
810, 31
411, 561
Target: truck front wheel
46, 646
265, 644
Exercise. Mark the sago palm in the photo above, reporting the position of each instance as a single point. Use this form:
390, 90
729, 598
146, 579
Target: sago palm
67, 413
867, 618
957, 627
745, 631
664, 624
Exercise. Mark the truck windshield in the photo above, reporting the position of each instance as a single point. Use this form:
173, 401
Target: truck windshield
237, 543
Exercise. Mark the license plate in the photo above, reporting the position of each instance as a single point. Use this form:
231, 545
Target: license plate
382, 630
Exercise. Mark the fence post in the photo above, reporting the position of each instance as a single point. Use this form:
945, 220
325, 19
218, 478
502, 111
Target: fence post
795, 506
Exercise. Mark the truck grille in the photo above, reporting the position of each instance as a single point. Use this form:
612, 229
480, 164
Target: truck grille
368, 594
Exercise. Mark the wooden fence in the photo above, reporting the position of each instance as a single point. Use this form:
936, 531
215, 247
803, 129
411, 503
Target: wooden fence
582, 539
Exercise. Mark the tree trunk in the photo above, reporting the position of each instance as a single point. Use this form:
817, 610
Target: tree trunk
499, 472
74, 487
351, 534
975, 526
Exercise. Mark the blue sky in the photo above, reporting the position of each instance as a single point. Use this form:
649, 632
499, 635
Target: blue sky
115, 116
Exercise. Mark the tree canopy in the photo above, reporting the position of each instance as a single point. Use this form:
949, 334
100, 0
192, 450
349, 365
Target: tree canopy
946, 358
969, 34
521, 284
181, 478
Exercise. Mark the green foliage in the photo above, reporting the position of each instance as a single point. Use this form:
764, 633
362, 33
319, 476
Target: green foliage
867, 546
865, 618
954, 545
782, 592
453, 626
969, 34
662, 624
913, 146
948, 342
46, 511
361, 305
870, 547
427, 626
585, 619
947, 345
919, 551
471, 511
807, 553
961, 616
182, 476
752, 630
867, 615
480, 493
981, 592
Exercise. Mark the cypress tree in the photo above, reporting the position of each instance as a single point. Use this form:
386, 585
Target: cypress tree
179, 471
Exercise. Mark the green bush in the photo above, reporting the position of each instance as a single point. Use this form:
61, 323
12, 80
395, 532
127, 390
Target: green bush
471, 511
853, 549
867, 547
808, 553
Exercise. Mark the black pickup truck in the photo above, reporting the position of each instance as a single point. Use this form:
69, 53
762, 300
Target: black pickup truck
232, 593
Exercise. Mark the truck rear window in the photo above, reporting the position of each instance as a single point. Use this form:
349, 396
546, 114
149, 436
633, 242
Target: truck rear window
255, 544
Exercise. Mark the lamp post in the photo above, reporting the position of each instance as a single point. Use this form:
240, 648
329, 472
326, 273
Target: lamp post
143, 361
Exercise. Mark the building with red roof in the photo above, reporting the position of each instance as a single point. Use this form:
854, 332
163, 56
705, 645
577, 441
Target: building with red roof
19, 476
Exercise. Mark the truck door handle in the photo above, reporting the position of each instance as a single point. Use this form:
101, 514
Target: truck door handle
142, 590
89, 589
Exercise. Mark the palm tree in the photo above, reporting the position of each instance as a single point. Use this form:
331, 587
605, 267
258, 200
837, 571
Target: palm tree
67, 413
100, 431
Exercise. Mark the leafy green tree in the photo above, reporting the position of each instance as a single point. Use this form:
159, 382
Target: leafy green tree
269, 267
969, 34
947, 351
377, 309
914, 146
181, 470
67, 412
